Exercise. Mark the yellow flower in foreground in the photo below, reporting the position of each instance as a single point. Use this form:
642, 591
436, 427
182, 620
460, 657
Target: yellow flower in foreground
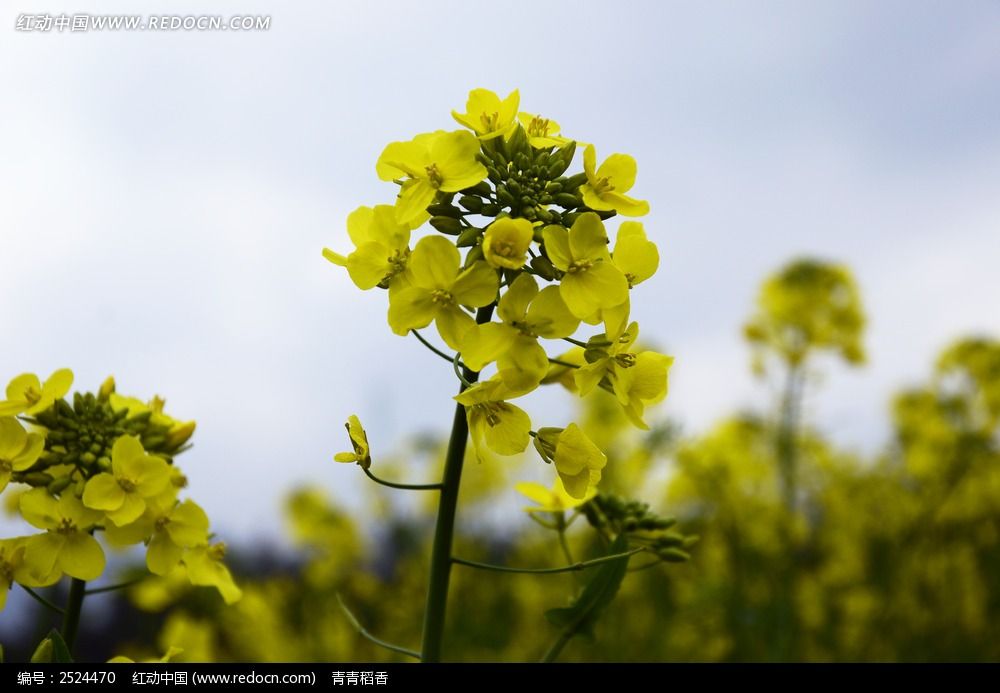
488, 116
18, 449
506, 242
15, 566
637, 379
542, 132
206, 569
526, 314
67, 545
444, 161
554, 500
634, 254
606, 187
439, 290
578, 461
27, 395
179, 431
494, 423
169, 530
591, 281
359, 441
382, 248
135, 477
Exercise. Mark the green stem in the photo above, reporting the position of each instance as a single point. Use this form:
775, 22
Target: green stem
112, 588
440, 573
405, 487
42, 600
71, 615
581, 565
558, 362
430, 346
557, 646
363, 632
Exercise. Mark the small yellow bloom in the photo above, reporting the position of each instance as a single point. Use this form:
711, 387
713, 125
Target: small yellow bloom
15, 566
488, 116
578, 461
637, 379
382, 248
440, 290
134, 478
606, 187
526, 314
554, 500
591, 282
506, 242
444, 161
67, 546
634, 254
167, 529
206, 569
542, 132
27, 395
359, 441
19, 450
495, 424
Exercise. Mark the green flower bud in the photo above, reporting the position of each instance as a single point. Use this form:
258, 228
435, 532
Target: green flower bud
447, 225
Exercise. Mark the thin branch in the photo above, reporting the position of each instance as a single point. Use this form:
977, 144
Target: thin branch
458, 366
582, 565
112, 588
43, 601
575, 341
405, 487
559, 362
365, 634
433, 348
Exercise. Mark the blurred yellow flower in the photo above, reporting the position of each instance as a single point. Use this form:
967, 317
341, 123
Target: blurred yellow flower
554, 500
19, 450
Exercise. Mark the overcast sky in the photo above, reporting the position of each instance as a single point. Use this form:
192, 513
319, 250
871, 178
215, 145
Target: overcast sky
164, 198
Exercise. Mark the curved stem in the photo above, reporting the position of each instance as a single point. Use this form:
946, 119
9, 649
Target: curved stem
363, 632
558, 362
430, 346
444, 530
581, 565
112, 588
557, 646
405, 487
71, 615
42, 600
459, 367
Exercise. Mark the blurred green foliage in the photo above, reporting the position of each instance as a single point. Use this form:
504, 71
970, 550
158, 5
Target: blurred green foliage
894, 557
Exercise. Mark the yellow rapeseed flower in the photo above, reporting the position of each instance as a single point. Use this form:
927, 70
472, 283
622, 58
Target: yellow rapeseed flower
590, 282
495, 424
440, 290
444, 161
488, 116
19, 450
506, 242
135, 477
67, 546
554, 500
382, 248
27, 395
606, 186
359, 441
526, 314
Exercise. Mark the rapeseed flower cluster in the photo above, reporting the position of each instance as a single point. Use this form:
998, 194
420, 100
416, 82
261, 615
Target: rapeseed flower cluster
519, 252
101, 467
